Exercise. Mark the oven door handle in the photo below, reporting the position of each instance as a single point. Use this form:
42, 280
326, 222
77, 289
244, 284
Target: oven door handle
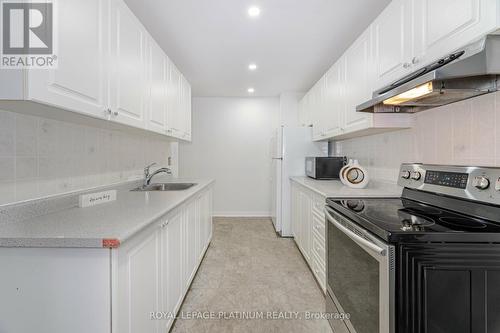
358, 239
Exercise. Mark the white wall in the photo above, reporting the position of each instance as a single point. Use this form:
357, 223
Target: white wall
463, 133
41, 157
231, 143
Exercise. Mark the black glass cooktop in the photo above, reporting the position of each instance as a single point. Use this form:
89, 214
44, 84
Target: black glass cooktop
407, 220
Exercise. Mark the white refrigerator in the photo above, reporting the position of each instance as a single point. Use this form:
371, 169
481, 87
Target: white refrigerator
289, 148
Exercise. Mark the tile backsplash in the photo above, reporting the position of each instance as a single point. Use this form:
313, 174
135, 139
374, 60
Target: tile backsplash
40, 157
463, 133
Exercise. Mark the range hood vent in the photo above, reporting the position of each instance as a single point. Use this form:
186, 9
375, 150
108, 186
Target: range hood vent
467, 73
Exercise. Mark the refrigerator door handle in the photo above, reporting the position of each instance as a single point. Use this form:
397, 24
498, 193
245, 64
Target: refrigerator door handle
277, 158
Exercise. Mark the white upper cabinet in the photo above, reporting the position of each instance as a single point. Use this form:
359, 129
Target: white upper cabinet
128, 77
79, 83
304, 111
316, 103
158, 74
392, 43
443, 26
406, 36
179, 104
185, 108
173, 100
109, 68
358, 83
334, 99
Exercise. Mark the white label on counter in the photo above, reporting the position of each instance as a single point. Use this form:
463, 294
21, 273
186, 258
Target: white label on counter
92, 199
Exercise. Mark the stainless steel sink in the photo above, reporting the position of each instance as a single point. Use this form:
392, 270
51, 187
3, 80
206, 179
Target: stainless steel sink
165, 187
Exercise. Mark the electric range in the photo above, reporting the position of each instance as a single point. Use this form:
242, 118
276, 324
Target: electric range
426, 262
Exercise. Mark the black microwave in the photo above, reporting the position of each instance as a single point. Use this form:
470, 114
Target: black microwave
325, 167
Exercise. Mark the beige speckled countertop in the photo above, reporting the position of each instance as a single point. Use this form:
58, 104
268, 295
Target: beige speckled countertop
335, 188
72, 226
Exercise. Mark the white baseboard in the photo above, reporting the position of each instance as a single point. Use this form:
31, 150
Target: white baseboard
241, 214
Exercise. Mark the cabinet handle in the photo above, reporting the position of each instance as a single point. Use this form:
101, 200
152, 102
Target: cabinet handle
406, 65
107, 111
414, 60
115, 113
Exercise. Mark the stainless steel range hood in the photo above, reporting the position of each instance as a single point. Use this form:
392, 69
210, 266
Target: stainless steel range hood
469, 72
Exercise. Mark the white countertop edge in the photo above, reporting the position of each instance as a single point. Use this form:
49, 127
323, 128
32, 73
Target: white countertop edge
375, 188
93, 242
199, 188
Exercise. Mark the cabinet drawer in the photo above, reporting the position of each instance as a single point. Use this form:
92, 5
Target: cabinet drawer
318, 248
319, 204
318, 271
318, 225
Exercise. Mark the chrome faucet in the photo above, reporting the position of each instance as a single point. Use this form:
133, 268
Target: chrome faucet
148, 176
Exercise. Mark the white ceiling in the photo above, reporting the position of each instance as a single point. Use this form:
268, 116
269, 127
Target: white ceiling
293, 41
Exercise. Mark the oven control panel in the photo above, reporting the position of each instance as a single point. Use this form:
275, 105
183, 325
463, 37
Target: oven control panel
473, 183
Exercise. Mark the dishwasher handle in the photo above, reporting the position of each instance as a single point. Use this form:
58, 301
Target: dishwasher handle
356, 238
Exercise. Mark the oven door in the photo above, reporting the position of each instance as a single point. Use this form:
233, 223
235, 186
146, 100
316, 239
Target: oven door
360, 276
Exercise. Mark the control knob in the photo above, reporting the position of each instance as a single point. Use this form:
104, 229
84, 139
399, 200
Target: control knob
481, 183
416, 175
405, 174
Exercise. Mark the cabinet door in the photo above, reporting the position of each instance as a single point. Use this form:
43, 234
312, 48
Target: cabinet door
205, 220
304, 111
128, 77
393, 43
171, 266
316, 104
210, 215
443, 26
190, 246
305, 223
80, 82
138, 283
185, 109
358, 82
157, 104
294, 204
173, 96
188, 111
334, 99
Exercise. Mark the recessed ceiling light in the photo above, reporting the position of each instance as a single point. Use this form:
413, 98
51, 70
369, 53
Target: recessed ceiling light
254, 11
251, 90
252, 67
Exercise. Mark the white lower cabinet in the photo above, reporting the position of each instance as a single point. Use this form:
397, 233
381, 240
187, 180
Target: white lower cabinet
308, 227
153, 270
172, 290
55, 290
138, 284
